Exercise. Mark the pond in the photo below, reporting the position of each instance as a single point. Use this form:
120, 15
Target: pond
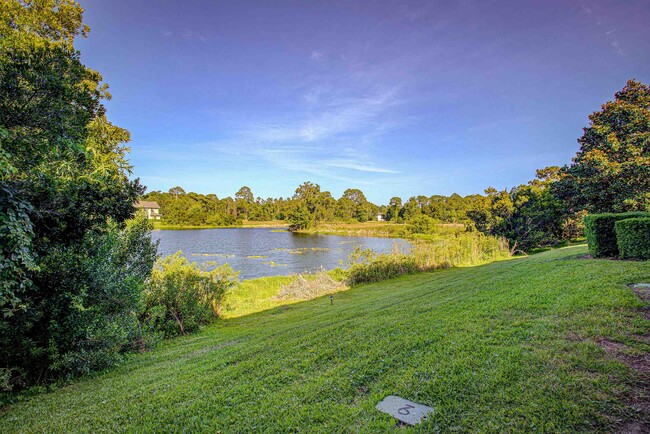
258, 252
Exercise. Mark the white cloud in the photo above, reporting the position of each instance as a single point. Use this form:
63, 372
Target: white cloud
317, 55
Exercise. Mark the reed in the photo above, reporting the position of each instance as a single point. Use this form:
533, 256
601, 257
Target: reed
460, 250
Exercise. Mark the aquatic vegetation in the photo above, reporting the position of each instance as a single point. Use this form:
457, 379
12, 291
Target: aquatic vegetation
255, 257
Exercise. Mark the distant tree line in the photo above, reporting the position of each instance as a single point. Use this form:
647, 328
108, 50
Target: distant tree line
180, 208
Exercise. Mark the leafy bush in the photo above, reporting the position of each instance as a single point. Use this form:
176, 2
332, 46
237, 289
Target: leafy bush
422, 224
180, 296
463, 249
86, 315
633, 237
300, 219
601, 235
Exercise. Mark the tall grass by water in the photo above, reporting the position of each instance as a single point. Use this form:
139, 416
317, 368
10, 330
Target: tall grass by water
461, 249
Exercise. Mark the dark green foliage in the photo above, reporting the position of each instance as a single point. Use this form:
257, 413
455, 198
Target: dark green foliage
71, 268
300, 219
529, 216
84, 315
422, 224
601, 234
633, 238
181, 296
611, 171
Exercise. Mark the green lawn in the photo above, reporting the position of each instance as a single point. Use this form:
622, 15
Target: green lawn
506, 347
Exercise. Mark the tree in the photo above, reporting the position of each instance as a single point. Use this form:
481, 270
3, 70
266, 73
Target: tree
244, 198
300, 219
176, 192
308, 194
65, 198
528, 216
611, 171
394, 207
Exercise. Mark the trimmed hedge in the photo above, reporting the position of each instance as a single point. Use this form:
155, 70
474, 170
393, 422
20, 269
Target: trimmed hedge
601, 235
633, 236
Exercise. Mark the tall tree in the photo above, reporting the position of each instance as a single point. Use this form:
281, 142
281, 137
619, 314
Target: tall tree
64, 177
308, 194
611, 171
244, 198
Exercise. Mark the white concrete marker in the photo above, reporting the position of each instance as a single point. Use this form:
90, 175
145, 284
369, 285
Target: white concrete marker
404, 410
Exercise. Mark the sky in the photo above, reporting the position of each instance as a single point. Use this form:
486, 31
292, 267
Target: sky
395, 98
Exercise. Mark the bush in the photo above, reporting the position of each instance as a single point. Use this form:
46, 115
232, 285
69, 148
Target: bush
85, 316
180, 296
300, 219
633, 237
422, 224
601, 235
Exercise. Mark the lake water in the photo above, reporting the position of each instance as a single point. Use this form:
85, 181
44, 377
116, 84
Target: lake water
260, 252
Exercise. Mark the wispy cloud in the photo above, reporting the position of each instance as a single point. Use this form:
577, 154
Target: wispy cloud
187, 35
337, 116
317, 55
354, 165
328, 135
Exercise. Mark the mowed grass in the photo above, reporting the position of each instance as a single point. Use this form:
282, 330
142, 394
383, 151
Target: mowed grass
505, 347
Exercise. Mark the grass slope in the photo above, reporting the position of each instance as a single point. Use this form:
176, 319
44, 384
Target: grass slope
506, 347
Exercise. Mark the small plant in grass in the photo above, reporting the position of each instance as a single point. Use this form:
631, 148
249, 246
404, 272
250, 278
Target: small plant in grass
633, 238
180, 296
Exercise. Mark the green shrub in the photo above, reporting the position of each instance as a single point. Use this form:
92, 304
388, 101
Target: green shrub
633, 237
85, 316
422, 224
180, 296
601, 235
300, 219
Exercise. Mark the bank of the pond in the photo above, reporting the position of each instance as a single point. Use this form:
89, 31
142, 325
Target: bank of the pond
383, 230
277, 224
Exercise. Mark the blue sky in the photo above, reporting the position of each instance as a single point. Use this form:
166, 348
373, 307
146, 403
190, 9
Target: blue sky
395, 98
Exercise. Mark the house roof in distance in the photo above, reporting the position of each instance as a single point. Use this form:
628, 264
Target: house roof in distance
146, 204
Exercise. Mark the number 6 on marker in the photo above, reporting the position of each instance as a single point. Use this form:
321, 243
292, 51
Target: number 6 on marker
405, 410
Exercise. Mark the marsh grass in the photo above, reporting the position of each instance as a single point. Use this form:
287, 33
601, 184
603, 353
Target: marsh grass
459, 250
